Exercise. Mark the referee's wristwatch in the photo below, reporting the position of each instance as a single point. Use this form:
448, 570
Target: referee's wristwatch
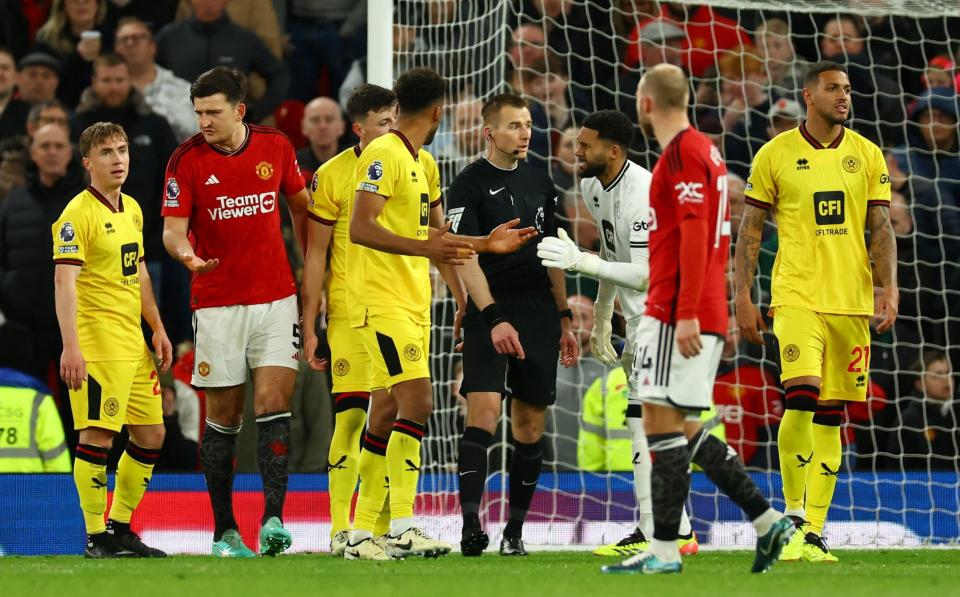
566, 313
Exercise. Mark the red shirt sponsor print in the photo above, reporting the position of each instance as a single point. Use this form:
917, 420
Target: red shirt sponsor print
232, 202
687, 272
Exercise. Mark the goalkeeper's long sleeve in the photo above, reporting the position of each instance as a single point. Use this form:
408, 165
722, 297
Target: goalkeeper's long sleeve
634, 275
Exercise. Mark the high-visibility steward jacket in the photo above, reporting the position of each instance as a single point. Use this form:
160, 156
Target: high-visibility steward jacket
603, 443
31, 433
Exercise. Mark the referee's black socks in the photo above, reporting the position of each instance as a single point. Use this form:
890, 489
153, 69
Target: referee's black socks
524, 473
472, 464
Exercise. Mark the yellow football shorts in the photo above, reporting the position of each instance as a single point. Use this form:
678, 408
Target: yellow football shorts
116, 393
399, 349
835, 348
350, 363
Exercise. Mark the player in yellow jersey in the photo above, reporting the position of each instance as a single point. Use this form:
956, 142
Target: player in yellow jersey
398, 222
826, 186
372, 109
102, 289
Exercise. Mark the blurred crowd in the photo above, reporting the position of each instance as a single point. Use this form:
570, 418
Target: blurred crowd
65, 64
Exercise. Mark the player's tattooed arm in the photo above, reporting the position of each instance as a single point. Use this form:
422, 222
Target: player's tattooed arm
749, 319
883, 254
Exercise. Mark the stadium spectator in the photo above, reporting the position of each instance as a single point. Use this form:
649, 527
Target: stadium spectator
167, 94
210, 38
112, 98
563, 165
930, 433
33, 440
323, 126
13, 111
746, 103
38, 77
896, 45
604, 441
785, 70
528, 46
940, 72
554, 105
155, 13
13, 164
931, 155
563, 420
255, 15
75, 33
657, 41
54, 175
323, 34
876, 98
48, 112
705, 34
465, 141
404, 37
785, 114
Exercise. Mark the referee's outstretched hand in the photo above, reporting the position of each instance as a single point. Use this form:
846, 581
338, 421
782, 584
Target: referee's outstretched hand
507, 238
442, 248
506, 340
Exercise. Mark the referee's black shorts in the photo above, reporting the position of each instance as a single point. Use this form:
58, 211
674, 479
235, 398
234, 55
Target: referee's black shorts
533, 380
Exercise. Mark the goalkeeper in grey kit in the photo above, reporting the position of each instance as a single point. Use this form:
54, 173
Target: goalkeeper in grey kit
616, 191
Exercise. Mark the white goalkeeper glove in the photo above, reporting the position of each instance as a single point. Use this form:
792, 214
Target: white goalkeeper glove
600, 343
560, 252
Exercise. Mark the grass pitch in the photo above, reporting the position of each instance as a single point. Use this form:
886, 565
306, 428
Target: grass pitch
869, 573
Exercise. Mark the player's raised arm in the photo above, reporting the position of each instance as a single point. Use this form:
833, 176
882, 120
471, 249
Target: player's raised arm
883, 253
749, 319
73, 368
151, 314
177, 244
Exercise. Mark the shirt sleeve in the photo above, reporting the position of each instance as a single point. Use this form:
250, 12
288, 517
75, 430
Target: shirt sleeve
70, 240
177, 188
138, 222
879, 184
761, 190
550, 207
462, 208
378, 171
292, 182
323, 206
433, 177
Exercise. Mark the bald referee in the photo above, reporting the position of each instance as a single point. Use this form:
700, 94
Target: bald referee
517, 323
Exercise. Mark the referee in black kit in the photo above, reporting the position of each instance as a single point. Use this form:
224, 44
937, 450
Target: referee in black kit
517, 324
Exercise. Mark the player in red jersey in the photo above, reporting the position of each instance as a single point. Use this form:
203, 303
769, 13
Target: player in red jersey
223, 188
679, 340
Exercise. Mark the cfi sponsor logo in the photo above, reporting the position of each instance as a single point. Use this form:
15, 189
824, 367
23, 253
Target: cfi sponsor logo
265, 170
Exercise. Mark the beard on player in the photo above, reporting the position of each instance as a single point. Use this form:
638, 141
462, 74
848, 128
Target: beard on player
590, 169
432, 134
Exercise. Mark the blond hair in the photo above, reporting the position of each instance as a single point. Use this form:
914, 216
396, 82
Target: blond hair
740, 62
99, 133
55, 32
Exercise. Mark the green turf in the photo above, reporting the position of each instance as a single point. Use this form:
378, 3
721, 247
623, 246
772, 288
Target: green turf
870, 573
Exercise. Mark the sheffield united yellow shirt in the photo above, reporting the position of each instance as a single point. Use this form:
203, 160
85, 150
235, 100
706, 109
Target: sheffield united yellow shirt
819, 197
107, 246
382, 283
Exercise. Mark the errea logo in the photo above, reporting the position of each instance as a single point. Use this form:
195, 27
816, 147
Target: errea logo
243, 206
689, 192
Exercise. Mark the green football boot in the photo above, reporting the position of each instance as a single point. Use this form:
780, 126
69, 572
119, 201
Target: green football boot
231, 546
274, 539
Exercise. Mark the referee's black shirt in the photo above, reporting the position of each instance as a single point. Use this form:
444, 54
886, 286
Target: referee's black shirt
484, 196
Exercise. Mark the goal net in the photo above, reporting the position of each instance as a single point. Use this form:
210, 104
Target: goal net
898, 484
